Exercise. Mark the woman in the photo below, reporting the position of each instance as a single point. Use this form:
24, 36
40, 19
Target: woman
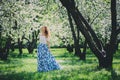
46, 62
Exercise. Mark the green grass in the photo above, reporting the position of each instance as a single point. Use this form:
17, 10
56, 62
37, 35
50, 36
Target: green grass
25, 67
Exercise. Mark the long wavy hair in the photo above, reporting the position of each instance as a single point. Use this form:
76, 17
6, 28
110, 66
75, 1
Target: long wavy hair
46, 31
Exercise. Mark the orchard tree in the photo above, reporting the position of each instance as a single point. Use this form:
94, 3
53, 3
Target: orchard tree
105, 52
17, 19
96, 16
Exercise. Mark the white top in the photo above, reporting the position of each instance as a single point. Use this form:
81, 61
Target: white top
43, 39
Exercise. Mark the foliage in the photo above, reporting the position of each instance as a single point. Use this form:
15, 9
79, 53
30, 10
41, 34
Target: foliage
19, 18
97, 13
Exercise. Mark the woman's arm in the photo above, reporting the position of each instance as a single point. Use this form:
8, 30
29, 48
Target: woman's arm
48, 42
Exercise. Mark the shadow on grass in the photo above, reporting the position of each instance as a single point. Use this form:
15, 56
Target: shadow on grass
26, 55
5, 61
114, 75
18, 76
51, 75
6, 66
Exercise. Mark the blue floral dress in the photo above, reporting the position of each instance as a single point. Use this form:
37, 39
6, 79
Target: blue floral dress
46, 62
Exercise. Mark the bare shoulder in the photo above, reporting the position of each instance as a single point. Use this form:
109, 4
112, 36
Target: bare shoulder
40, 34
48, 39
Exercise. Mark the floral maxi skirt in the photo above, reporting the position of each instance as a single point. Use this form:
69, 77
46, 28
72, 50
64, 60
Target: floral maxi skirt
46, 62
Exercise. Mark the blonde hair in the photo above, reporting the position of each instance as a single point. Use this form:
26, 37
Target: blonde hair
46, 31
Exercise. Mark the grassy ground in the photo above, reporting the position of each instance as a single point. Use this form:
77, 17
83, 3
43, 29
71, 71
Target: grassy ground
25, 67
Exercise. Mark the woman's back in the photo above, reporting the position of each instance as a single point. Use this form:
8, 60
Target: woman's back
43, 39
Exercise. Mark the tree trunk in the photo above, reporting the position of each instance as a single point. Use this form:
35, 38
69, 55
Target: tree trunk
78, 43
83, 54
5, 50
105, 62
111, 46
30, 47
69, 48
77, 50
33, 43
76, 40
117, 46
13, 47
3, 54
20, 47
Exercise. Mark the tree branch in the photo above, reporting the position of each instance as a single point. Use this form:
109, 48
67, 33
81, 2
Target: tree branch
72, 27
94, 36
113, 22
25, 39
95, 17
